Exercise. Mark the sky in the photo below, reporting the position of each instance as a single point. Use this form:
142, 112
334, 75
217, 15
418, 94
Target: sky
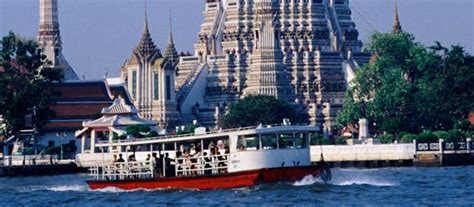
99, 35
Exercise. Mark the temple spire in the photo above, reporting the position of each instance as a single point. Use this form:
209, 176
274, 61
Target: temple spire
170, 49
49, 38
396, 22
146, 48
145, 26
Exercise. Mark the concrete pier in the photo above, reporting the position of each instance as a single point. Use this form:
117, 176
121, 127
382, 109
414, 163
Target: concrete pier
32, 165
382, 155
378, 155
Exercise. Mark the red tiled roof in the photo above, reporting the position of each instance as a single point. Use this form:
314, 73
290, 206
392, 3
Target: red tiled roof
81, 101
471, 117
79, 92
78, 110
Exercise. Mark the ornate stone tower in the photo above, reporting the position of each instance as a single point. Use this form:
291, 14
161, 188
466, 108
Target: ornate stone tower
298, 50
267, 74
49, 38
170, 51
150, 77
396, 21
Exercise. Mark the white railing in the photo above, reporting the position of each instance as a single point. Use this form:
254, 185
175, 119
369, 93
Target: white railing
212, 164
189, 83
20, 160
122, 171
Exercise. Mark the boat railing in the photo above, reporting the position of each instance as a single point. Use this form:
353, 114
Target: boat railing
18, 160
122, 171
207, 133
201, 165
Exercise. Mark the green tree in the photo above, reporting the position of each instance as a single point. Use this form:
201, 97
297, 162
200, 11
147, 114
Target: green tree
254, 110
408, 87
140, 131
25, 82
426, 137
386, 138
408, 138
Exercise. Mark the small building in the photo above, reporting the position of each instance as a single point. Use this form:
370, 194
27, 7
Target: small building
79, 101
113, 123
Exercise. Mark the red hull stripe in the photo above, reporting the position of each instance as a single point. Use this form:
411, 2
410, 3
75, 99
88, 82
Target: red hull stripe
229, 180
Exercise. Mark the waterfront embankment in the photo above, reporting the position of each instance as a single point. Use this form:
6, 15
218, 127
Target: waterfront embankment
389, 155
31, 165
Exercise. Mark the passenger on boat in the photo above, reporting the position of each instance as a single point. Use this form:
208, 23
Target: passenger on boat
169, 170
157, 165
207, 164
131, 158
120, 159
222, 160
211, 145
114, 158
187, 165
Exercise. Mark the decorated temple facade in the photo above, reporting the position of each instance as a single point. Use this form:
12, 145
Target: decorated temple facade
302, 51
312, 49
149, 77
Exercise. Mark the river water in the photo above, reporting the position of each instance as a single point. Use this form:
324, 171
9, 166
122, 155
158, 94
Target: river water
349, 187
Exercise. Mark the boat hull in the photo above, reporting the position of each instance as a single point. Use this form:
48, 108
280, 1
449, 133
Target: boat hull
221, 181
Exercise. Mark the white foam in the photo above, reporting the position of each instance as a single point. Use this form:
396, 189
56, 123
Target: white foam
308, 180
63, 188
363, 181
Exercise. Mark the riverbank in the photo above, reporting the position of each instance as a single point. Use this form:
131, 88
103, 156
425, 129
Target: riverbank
36, 165
38, 170
392, 155
354, 187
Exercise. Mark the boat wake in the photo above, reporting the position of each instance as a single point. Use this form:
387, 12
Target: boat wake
361, 177
81, 188
64, 188
308, 180
345, 179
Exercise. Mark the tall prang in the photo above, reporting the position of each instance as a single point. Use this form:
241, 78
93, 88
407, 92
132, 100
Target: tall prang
315, 42
49, 38
267, 74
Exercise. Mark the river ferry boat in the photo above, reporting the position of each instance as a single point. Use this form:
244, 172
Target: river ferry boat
206, 160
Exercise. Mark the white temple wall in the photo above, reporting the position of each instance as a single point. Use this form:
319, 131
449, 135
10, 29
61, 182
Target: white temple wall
196, 93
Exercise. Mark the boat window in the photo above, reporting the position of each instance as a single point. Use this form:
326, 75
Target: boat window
316, 138
269, 141
169, 146
301, 140
247, 143
286, 141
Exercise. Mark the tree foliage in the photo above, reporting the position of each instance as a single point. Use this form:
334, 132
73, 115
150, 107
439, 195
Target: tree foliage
408, 87
25, 82
140, 131
259, 109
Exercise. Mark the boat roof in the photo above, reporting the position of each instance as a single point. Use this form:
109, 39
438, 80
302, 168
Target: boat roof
211, 135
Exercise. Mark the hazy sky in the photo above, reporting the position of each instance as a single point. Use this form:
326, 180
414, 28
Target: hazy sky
98, 35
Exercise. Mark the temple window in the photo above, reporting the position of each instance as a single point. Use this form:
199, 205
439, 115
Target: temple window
134, 84
156, 88
168, 87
